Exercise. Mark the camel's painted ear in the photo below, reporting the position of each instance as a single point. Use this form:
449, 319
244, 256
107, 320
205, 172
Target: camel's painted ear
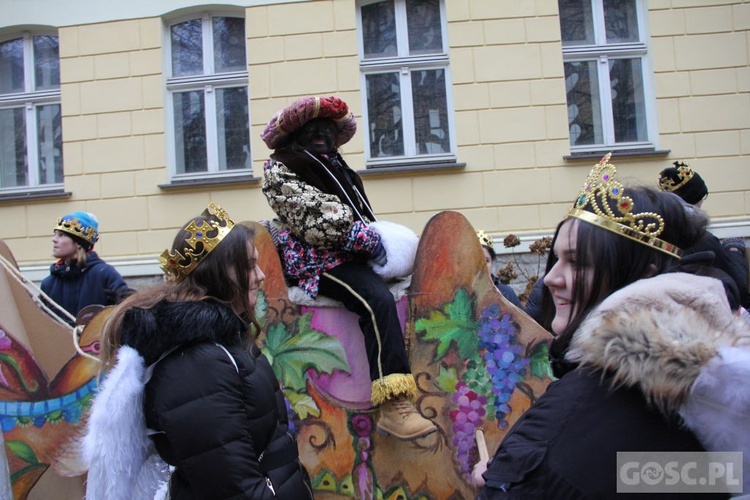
466, 339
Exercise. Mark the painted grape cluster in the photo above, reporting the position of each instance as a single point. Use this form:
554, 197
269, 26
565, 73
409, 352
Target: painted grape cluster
503, 358
466, 417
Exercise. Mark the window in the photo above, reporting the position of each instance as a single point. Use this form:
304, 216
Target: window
208, 96
30, 117
610, 104
405, 74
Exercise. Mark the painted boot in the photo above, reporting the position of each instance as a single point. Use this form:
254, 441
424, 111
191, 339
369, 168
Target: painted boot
400, 418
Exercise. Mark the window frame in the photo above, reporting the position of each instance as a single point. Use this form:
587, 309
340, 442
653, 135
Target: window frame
602, 53
209, 83
404, 64
30, 100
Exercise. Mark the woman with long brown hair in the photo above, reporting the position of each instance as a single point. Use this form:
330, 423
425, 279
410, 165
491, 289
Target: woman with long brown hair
209, 415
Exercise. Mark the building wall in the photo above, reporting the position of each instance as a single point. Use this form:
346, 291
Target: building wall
510, 111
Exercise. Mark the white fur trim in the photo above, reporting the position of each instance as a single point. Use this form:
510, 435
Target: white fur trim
123, 463
718, 407
400, 244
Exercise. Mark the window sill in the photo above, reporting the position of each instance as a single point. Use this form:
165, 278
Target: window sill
36, 195
412, 168
621, 153
207, 181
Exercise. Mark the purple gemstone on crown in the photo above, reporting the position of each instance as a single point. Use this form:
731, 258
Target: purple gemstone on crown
605, 177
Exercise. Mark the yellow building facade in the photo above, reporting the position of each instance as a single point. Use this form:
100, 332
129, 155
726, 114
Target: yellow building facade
496, 109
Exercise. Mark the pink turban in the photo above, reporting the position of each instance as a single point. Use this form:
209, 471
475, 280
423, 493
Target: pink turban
304, 109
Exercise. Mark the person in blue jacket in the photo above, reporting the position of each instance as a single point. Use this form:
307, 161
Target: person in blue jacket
79, 278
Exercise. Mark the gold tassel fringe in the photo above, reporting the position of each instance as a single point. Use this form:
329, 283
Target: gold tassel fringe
392, 386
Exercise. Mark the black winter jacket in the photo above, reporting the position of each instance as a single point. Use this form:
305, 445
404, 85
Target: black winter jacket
565, 446
223, 427
633, 363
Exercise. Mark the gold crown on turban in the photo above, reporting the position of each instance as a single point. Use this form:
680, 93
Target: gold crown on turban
484, 238
601, 192
178, 265
684, 174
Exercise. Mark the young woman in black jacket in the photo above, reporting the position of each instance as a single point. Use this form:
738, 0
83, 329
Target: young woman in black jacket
188, 403
634, 337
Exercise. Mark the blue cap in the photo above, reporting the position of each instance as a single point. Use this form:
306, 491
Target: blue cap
82, 226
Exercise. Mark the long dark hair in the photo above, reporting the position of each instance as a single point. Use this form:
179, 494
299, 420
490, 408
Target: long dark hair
222, 275
617, 261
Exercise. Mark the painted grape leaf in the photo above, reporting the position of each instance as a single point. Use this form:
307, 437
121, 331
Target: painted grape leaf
539, 362
292, 355
454, 324
303, 404
261, 308
447, 379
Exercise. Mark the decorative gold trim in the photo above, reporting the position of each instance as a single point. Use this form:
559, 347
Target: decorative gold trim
611, 209
618, 228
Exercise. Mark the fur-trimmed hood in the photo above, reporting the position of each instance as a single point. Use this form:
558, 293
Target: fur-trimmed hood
658, 334
154, 331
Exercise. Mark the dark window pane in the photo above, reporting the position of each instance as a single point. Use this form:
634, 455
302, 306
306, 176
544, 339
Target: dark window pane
229, 44
584, 112
384, 113
13, 156
621, 21
187, 48
49, 145
379, 30
628, 102
425, 28
233, 128
46, 62
576, 22
190, 132
11, 66
430, 111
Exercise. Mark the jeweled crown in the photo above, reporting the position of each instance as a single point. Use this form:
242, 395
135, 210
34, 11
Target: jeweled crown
484, 238
601, 192
177, 265
684, 174
76, 227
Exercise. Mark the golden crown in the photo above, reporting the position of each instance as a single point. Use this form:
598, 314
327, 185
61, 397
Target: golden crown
684, 174
484, 238
77, 228
600, 192
178, 265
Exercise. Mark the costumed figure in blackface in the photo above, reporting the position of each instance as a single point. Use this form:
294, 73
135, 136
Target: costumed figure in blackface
326, 235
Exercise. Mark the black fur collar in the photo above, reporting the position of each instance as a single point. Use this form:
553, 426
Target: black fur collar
168, 324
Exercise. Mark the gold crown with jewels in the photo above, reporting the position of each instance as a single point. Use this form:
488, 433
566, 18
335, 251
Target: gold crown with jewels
600, 193
684, 174
484, 238
178, 265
